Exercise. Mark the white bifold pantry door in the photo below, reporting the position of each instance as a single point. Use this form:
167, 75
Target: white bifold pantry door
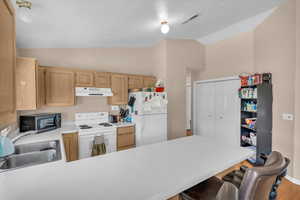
216, 110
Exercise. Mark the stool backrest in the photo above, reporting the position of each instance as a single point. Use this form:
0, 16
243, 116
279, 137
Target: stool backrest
258, 181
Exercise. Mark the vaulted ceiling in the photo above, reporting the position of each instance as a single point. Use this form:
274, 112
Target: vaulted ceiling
128, 23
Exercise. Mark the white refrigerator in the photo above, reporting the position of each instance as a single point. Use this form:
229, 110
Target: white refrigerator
149, 113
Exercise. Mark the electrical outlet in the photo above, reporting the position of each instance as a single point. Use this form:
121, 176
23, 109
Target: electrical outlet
115, 108
288, 116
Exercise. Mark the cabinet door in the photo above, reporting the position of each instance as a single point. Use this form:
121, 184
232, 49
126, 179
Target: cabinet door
227, 105
204, 105
149, 81
125, 138
85, 79
59, 87
135, 82
119, 85
41, 87
71, 146
8, 63
26, 87
102, 79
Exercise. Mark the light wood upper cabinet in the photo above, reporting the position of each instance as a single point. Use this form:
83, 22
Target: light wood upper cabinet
135, 82
84, 79
71, 146
30, 84
149, 81
41, 87
119, 86
7, 63
102, 79
60, 87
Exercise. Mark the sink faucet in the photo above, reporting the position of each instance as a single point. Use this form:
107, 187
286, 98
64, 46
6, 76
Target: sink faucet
15, 139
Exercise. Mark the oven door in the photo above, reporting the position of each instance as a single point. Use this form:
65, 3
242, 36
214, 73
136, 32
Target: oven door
85, 146
86, 143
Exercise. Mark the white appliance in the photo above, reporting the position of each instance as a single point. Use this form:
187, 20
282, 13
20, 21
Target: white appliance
149, 113
216, 109
91, 91
91, 125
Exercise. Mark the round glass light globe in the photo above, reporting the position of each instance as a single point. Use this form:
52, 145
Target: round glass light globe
165, 28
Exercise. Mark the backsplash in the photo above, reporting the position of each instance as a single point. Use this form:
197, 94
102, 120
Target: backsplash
83, 104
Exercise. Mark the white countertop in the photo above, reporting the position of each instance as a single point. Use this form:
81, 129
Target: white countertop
123, 124
152, 172
49, 135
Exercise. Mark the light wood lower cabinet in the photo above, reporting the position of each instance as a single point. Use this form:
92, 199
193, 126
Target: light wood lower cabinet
84, 79
177, 197
125, 138
71, 146
60, 87
8, 63
30, 84
119, 86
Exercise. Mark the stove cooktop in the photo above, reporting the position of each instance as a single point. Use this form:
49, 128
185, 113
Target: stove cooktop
85, 127
105, 124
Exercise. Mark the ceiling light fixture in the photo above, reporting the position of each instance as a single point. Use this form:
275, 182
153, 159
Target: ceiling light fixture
23, 12
165, 28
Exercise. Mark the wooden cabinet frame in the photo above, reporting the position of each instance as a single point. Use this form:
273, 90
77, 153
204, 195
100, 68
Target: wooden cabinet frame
125, 138
84, 79
119, 86
7, 80
30, 84
71, 146
102, 79
53, 90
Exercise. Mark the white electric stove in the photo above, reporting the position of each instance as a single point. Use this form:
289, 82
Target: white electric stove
94, 124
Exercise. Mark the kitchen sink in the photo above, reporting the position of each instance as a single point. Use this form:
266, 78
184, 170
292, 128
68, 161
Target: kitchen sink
32, 154
39, 146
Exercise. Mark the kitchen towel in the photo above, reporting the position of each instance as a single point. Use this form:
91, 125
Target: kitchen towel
99, 147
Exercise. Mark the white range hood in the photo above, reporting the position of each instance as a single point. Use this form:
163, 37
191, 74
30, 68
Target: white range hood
91, 91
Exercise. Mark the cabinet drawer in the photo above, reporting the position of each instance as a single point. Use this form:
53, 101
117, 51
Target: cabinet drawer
126, 140
125, 130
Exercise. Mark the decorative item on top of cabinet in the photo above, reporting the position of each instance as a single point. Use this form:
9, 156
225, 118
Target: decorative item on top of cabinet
135, 82
102, 79
71, 146
149, 81
60, 90
84, 79
8, 63
30, 84
125, 138
119, 86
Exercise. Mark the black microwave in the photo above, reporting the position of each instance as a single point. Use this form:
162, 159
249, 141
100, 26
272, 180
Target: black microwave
40, 122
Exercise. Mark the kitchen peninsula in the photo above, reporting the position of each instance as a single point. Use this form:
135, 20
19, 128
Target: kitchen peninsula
155, 172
